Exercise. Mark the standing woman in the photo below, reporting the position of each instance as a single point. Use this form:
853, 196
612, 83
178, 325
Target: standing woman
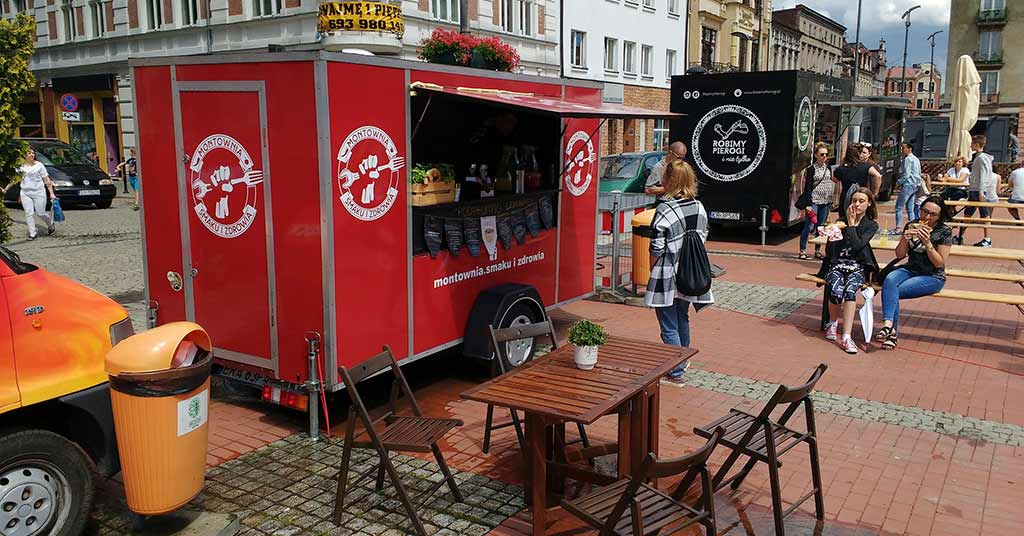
818, 180
857, 171
847, 264
36, 189
926, 243
681, 212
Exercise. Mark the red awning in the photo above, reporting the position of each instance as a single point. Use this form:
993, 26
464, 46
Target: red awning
560, 106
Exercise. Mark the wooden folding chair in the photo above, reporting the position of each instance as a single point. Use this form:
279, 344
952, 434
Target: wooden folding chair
762, 440
650, 509
500, 338
400, 433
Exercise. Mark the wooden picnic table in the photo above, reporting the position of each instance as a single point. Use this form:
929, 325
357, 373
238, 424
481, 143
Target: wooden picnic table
989, 204
551, 391
948, 183
958, 251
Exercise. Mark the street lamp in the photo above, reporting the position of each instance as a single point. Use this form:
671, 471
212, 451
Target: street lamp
906, 36
856, 51
931, 79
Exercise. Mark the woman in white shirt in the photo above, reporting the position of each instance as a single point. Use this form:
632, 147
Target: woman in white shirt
959, 172
1016, 189
36, 188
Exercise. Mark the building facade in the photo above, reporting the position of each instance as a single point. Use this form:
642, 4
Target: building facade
992, 32
83, 47
872, 72
785, 49
633, 47
921, 85
730, 35
821, 39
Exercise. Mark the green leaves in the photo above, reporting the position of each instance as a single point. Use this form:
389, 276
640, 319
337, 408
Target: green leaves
587, 333
17, 43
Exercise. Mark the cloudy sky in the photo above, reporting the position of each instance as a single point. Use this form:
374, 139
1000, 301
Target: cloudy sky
881, 19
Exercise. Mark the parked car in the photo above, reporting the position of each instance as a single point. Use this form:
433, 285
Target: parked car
627, 172
76, 179
56, 423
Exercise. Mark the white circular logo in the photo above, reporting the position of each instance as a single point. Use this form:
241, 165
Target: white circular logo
579, 152
222, 177
737, 93
367, 155
696, 94
728, 143
687, 94
804, 124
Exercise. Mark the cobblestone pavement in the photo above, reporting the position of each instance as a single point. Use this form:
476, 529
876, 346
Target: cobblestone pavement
288, 488
762, 300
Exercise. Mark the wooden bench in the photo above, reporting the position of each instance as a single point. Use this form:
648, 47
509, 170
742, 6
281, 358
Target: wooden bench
1003, 221
973, 225
1003, 254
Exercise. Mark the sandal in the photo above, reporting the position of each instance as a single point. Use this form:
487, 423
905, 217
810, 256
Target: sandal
803, 256
890, 342
884, 333
819, 255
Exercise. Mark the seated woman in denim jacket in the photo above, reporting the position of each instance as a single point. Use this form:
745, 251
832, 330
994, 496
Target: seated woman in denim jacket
848, 263
926, 242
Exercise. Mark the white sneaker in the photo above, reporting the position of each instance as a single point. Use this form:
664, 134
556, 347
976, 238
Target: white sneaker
848, 345
830, 330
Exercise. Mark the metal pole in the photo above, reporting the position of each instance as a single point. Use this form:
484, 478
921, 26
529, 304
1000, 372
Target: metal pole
764, 223
856, 51
464, 16
617, 198
313, 349
906, 36
931, 77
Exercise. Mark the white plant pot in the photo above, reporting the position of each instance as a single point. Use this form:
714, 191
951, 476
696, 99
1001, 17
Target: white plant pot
585, 357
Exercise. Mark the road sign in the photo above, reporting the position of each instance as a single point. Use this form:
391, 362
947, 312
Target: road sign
71, 116
69, 103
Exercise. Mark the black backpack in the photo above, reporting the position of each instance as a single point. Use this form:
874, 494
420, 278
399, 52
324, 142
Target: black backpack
693, 269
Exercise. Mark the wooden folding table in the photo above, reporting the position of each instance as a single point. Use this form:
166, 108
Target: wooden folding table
552, 391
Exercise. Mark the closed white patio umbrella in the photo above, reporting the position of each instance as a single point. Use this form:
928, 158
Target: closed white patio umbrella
965, 103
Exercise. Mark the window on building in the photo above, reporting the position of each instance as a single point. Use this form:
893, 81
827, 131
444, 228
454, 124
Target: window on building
19, 6
629, 57
755, 56
989, 83
742, 59
649, 4
155, 13
708, 39
265, 8
447, 10
611, 54
67, 12
989, 45
579, 49
920, 103
647, 61
97, 18
920, 86
518, 16
189, 12
987, 5
670, 63
673, 7
660, 135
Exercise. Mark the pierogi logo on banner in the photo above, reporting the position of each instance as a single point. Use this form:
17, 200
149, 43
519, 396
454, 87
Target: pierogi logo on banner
729, 143
368, 165
222, 176
579, 153
804, 124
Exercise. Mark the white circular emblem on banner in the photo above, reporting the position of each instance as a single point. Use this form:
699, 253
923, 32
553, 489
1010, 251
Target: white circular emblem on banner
222, 176
728, 143
580, 155
804, 124
368, 167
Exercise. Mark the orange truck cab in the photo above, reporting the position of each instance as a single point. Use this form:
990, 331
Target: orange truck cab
56, 425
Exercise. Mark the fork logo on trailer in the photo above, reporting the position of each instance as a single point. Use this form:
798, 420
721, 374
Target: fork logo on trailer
368, 162
729, 143
222, 177
579, 172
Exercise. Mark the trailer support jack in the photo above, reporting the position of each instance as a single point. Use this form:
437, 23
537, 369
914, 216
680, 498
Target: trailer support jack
313, 384
764, 223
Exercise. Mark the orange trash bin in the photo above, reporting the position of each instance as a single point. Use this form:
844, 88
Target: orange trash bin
160, 392
641, 248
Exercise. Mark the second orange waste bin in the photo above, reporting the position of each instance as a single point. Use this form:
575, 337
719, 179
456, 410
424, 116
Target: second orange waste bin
641, 248
160, 391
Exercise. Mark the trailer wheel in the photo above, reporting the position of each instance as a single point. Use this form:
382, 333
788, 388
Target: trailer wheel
518, 353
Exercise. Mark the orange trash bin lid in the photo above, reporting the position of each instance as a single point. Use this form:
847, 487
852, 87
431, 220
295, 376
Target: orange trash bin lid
155, 349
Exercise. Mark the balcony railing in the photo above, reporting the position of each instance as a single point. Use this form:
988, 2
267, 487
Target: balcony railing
988, 58
990, 98
992, 16
714, 67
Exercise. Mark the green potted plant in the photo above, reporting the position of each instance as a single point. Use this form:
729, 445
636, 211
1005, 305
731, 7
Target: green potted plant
586, 336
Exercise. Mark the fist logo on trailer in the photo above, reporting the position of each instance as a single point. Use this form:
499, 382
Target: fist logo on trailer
368, 165
222, 177
580, 155
729, 143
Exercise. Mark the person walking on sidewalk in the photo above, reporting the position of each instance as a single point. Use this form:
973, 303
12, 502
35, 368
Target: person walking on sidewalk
130, 168
982, 186
847, 264
818, 180
36, 190
926, 243
857, 171
673, 218
910, 181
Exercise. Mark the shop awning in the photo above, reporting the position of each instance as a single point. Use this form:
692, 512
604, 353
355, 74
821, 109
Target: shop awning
559, 106
857, 103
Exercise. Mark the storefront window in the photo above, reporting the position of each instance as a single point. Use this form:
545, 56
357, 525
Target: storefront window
660, 135
31, 120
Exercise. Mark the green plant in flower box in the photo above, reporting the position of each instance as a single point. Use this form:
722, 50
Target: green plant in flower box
587, 333
420, 172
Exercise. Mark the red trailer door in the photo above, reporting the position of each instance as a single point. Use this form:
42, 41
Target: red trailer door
224, 174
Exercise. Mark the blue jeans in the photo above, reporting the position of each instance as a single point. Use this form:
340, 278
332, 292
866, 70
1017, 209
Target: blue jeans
905, 201
822, 212
675, 326
902, 284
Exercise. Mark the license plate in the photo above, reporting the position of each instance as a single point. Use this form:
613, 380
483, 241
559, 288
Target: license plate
725, 216
88, 192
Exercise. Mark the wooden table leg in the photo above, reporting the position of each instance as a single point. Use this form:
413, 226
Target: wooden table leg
536, 462
654, 418
625, 460
638, 420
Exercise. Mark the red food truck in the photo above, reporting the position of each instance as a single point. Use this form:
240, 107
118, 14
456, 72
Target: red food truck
278, 213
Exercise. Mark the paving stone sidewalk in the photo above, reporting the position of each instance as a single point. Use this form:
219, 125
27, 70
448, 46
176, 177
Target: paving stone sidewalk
288, 488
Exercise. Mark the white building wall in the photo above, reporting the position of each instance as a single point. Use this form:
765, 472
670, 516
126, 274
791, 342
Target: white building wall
625, 21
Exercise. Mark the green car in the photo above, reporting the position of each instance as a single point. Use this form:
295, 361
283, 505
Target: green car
627, 172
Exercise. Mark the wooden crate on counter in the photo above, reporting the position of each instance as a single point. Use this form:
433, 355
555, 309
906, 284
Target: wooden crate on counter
433, 193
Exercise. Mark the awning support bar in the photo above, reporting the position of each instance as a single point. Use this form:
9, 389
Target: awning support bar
419, 121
